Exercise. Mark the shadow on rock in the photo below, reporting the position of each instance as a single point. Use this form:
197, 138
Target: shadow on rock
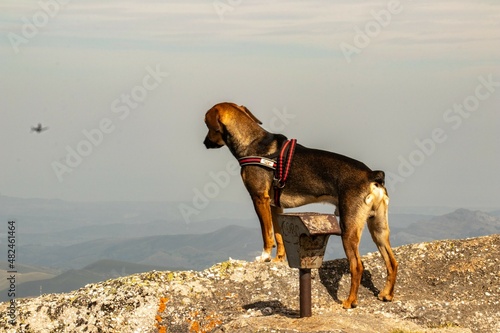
268, 308
332, 271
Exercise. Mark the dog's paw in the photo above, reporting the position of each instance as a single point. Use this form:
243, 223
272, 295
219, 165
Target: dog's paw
278, 259
349, 305
264, 257
385, 298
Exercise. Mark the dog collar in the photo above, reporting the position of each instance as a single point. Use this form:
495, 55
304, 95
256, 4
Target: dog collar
257, 160
281, 166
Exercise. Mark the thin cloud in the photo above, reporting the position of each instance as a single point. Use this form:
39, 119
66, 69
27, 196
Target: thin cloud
316, 24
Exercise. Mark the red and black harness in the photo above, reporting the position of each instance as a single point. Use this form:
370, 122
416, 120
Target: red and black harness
281, 166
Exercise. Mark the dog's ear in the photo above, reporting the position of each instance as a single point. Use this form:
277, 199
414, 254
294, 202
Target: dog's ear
212, 120
249, 114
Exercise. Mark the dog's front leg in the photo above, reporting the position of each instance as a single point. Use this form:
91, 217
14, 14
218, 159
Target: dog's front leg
280, 247
262, 205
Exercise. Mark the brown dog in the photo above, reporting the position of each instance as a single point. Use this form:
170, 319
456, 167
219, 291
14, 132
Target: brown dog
314, 176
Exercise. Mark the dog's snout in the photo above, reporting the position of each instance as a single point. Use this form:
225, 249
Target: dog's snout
206, 142
210, 144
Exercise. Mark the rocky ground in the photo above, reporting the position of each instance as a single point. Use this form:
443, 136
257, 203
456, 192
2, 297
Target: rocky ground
443, 286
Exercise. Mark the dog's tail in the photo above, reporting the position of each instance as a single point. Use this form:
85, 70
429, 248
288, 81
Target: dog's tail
377, 176
378, 192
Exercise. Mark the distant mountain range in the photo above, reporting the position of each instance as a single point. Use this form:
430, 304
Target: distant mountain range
187, 251
459, 224
58, 222
106, 258
74, 279
63, 246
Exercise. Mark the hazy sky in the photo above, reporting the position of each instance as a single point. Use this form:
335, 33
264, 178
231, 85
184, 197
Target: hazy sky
409, 87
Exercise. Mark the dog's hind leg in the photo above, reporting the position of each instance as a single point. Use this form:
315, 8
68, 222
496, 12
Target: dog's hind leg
352, 219
280, 248
379, 230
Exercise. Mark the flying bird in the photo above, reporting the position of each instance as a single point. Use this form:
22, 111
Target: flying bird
39, 128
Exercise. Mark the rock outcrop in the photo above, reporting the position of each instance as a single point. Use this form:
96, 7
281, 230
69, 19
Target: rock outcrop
443, 286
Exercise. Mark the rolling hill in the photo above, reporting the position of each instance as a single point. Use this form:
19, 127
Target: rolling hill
74, 279
188, 251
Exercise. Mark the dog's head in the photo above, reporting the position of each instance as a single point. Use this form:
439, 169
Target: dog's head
221, 117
